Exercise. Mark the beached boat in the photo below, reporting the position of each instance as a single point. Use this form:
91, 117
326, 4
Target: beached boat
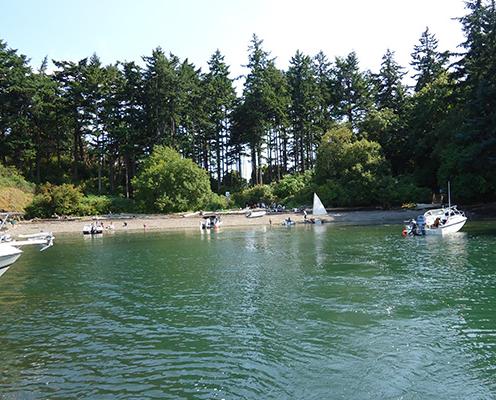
210, 222
288, 222
438, 221
256, 214
318, 210
92, 229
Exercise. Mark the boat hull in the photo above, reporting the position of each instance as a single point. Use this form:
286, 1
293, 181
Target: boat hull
89, 230
453, 226
8, 257
256, 214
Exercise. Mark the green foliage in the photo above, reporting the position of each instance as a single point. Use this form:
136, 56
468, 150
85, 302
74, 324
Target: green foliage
344, 158
254, 195
95, 205
94, 125
291, 186
11, 177
353, 172
98, 205
169, 183
53, 200
217, 202
233, 182
404, 189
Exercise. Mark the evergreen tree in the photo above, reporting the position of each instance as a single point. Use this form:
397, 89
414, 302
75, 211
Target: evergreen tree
351, 91
161, 86
256, 109
427, 61
47, 127
73, 104
390, 91
474, 143
303, 109
386, 123
220, 95
16, 91
323, 72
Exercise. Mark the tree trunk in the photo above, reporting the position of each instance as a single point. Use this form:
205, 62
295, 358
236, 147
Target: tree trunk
254, 169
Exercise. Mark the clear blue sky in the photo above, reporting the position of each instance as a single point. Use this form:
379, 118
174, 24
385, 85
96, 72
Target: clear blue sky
129, 29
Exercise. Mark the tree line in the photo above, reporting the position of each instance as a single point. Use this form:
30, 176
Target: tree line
95, 125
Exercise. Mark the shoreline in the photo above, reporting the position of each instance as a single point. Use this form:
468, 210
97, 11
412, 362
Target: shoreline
157, 222
163, 222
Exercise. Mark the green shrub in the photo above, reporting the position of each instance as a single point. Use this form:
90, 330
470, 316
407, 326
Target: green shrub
169, 183
291, 185
254, 195
95, 205
403, 190
217, 202
122, 205
53, 200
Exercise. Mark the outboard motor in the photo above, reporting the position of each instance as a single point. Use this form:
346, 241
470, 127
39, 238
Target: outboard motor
415, 227
421, 225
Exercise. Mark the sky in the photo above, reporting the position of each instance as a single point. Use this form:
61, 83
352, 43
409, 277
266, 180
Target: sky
127, 30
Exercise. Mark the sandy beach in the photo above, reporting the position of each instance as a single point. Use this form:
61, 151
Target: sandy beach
137, 222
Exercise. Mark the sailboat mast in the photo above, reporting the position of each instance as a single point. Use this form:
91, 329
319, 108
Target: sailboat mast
449, 195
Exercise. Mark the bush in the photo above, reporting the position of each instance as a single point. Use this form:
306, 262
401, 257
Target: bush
122, 205
403, 190
53, 200
233, 182
95, 205
169, 183
217, 202
254, 195
291, 185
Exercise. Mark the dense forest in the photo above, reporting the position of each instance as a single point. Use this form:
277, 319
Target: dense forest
358, 137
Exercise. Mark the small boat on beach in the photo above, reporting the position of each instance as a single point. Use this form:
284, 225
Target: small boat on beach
288, 222
318, 210
256, 214
92, 229
210, 222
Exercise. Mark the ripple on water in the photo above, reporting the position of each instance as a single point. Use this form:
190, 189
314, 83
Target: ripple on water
279, 313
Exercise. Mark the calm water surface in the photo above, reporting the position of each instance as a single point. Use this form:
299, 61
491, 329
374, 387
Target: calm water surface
317, 312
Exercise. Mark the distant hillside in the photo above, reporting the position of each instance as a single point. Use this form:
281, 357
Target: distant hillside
15, 192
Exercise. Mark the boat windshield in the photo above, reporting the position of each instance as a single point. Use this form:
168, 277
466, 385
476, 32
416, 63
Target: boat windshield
439, 212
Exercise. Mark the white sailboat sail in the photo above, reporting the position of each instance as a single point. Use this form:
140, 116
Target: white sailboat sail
318, 207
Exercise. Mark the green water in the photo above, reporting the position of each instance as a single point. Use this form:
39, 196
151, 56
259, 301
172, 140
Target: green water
317, 312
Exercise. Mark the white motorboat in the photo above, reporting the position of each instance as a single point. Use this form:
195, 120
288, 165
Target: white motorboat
9, 247
8, 256
442, 221
438, 221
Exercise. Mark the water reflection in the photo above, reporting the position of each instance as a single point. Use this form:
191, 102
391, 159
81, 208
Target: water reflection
319, 239
265, 313
451, 249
